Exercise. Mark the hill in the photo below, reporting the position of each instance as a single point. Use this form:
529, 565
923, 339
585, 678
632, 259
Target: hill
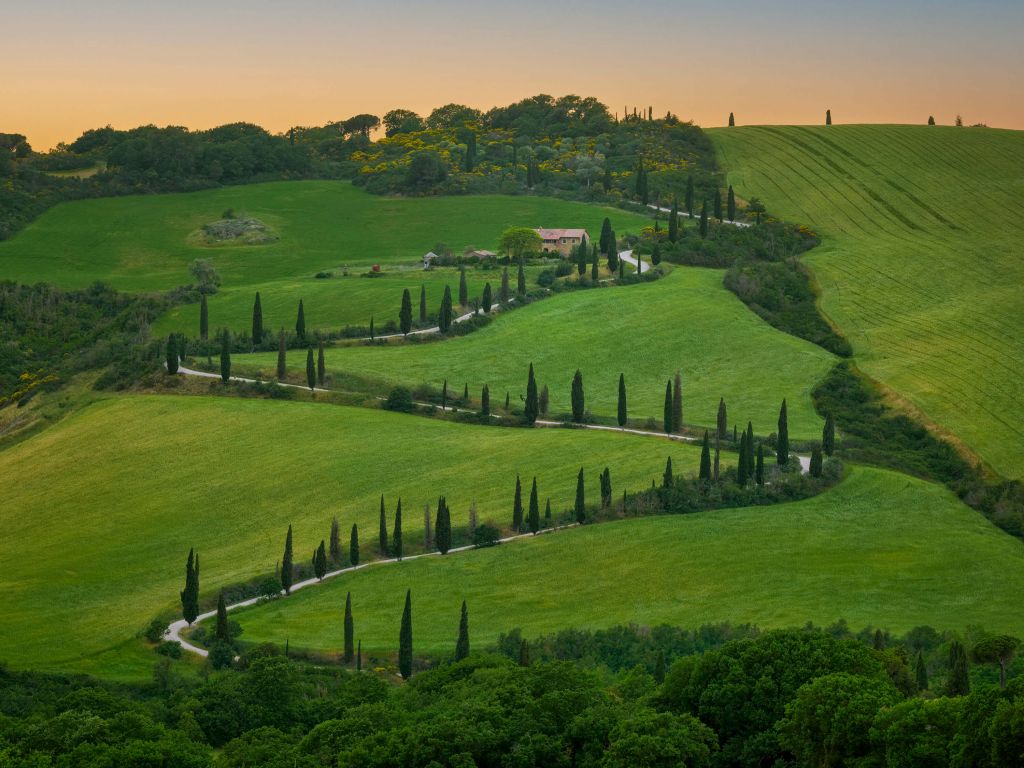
920, 259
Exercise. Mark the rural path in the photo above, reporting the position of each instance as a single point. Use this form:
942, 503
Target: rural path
641, 265
694, 216
174, 629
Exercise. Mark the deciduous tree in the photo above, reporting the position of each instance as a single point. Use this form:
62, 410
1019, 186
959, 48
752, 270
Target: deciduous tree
996, 649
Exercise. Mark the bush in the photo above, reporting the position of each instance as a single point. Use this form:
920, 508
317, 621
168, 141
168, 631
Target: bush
400, 399
168, 648
486, 535
155, 630
221, 655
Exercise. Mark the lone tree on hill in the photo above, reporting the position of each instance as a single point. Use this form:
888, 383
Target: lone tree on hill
718, 205
580, 506
320, 561
443, 527
405, 313
503, 293
222, 633
485, 402
204, 319
689, 195
815, 468
334, 541
353, 545
517, 508
828, 117
782, 445
463, 288
423, 303
190, 594
521, 280
531, 407
287, 564
445, 315
257, 320
667, 411
462, 644
730, 204
172, 355
321, 365
533, 519
828, 435
488, 299
931, 121
382, 535
282, 369
405, 639
310, 370
578, 401
396, 537
732, 120
668, 477
723, 420
300, 322
622, 400
705, 459
677, 403
759, 466
673, 221
349, 628
225, 357
704, 220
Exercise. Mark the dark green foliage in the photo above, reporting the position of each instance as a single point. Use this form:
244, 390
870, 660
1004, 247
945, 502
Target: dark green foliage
349, 628
542, 402
677, 403
310, 370
730, 204
444, 395
462, 643
204, 319
580, 506
673, 221
606, 488
405, 313
581, 260
405, 639
668, 478
547, 514
742, 470
423, 304
732, 120
578, 401
504, 294
622, 400
488, 300
371, 328
704, 220
225, 357
705, 459
606, 235
359, 657
533, 516
517, 508
172, 355
463, 289
531, 407
521, 280
828, 117
282, 370
828, 435
321, 365
334, 542
443, 527
445, 316
718, 204
782, 441
756, 207
958, 683
594, 269
465, 393
759, 466
288, 564
399, 399
667, 411
750, 450
320, 561
300, 322
257, 320
353, 546
996, 649
921, 672
723, 420
190, 594
485, 401
382, 534
396, 536
816, 462
689, 195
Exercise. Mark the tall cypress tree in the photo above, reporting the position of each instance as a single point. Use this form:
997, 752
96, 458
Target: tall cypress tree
462, 644
705, 459
310, 369
396, 537
578, 400
594, 269
320, 561
443, 527
282, 369
405, 313
673, 221
750, 450
581, 261
730, 204
742, 471
783, 439
622, 400
542, 402
444, 395
717, 466
718, 204
704, 220
485, 402
580, 506
517, 508
667, 412
958, 683
225, 357
463, 288
488, 299
382, 535
257, 320
504, 293
815, 468
222, 634
353, 545
190, 594
423, 303
531, 408
723, 420
359, 657
300, 322
732, 120
334, 541
371, 328
547, 514
921, 673
405, 639
321, 365
445, 316
533, 520
828, 435
668, 477
828, 117
172, 355
521, 280
287, 564
606, 233
204, 319
759, 467
677, 403
350, 633
689, 195
428, 529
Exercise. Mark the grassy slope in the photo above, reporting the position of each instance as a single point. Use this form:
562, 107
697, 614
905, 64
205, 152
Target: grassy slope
921, 259
686, 321
881, 549
142, 243
100, 510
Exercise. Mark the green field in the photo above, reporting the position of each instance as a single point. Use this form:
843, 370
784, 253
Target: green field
880, 549
920, 262
686, 321
144, 242
100, 510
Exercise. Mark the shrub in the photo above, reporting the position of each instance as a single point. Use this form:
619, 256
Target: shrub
168, 648
486, 535
400, 399
221, 655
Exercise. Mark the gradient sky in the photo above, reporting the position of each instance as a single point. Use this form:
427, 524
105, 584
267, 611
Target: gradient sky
68, 65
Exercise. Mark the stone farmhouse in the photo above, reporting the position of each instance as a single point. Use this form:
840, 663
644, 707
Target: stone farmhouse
561, 241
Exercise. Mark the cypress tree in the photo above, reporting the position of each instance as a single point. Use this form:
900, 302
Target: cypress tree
606, 234
310, 369
444, 395
542, 402
607, 500
958, 683
828, 117
382, 535
359, 657
204, 319
718, 204
504, 292
371, 327
221, 633
594, 270
547, 514
190, 594
423, 304
581, 261
405, 313
931, 121
705, 459
428, 529
667, 413
443, 528
485, 402
282, 370
742, 471
533, 520
704, 220
353, 545
750, 450
349, 629
524, 653
172, 355
300, 322
783, 439
607, 181
396, 537
732, 120
225, 357
578, 401
287, 564
730, 204
463, 289
517, 508
717, 466
673, 221
689, 195
828, 435
622, 400
335, 541
580, 506
759, 467
462, 644
668, 478
723, 420
921, 673
815, 468
677, 403
465, 393
320, 561
521, 280
531, 408
507, 401
405, 639
445, 316
321, 365
257, 320
488, 299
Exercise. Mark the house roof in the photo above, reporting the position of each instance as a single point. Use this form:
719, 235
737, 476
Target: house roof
555, 234
429, 255
483, 254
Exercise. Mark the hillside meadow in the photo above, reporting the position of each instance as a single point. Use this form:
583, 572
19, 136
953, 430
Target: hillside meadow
686, 321
880, 549
920, 263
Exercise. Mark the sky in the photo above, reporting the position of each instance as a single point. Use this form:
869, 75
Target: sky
68, 65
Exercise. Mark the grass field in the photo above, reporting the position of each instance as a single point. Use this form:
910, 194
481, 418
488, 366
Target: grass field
921, 259
100, 510
143, 242
686, 321
880, 549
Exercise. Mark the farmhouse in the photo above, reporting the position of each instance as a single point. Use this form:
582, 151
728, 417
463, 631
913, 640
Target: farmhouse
561, 241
